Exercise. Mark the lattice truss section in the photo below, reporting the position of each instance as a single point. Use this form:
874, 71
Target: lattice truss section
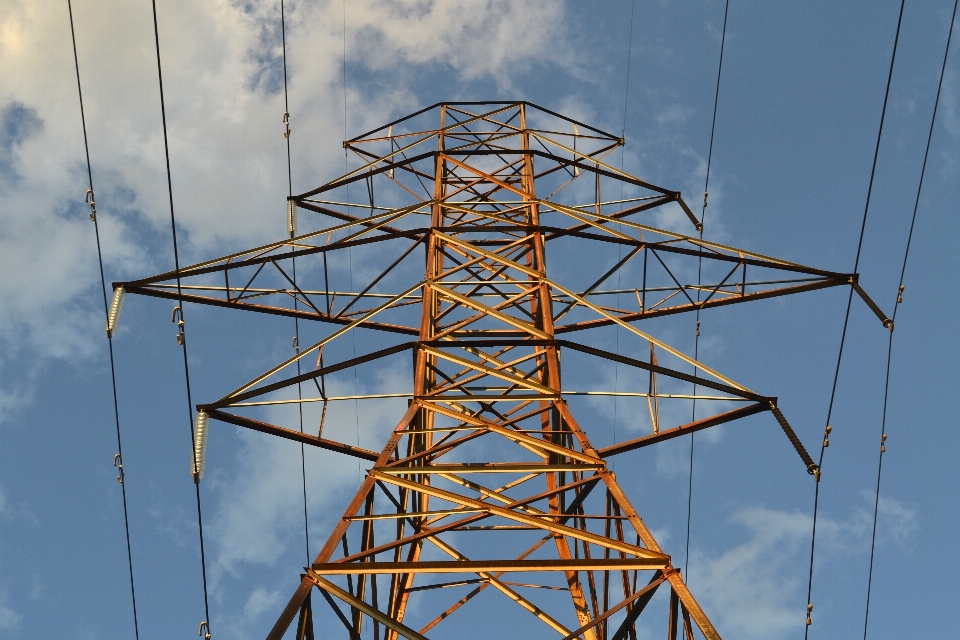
488, 482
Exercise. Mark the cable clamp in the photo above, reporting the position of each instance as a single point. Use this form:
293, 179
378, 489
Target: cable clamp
89, 199
204, 625
177, 317
286, 124
118, 463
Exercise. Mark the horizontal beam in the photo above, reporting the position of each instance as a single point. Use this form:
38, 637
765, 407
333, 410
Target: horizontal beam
490, 566
490, 467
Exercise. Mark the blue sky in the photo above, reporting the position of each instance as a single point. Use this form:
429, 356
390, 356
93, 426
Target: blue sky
798, 113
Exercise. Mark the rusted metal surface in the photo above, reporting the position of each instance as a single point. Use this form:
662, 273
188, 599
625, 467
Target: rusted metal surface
474, 199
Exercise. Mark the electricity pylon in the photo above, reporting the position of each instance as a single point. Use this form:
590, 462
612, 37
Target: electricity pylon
488, 478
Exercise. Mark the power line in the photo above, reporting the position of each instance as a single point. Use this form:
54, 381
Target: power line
896, 306
293, 232
623, 147
846, 322
182, 337
118, 459
696, 341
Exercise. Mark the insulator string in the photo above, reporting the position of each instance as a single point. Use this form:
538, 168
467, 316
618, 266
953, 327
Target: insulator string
108, 313
896, 305
183, 339
696, 340
846, 323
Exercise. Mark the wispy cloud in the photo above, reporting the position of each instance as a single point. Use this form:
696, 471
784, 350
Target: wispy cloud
753, 589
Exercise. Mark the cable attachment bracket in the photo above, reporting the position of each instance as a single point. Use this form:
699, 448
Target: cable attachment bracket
286, 124
812, 467
118, 463
90, 200
204, 626
177, 316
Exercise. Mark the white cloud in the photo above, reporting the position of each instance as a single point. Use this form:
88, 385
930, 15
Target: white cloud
9, 618
753, 589
223, 99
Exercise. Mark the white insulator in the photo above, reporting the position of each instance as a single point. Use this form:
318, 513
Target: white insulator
113, 316
199, 447
292, 218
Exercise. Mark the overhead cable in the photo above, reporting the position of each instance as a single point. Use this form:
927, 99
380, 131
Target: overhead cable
846, 322
111, 312
181, 337
292, 228
896, 305
696, 340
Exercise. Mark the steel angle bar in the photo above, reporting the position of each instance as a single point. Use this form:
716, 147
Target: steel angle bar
229, 400
296, 436
496, 373
336, 334
690, 427
521, 517
749, 297
679, 375
649, 338
489, 467
482, 514
644, 595
277, 311
488, 566
376, 614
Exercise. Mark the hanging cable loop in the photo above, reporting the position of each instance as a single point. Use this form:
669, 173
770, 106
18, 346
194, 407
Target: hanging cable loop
177, 316
204, 627
89, 199
286, 124
118, 463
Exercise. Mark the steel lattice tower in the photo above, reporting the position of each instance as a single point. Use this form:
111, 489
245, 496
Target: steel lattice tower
488, 469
